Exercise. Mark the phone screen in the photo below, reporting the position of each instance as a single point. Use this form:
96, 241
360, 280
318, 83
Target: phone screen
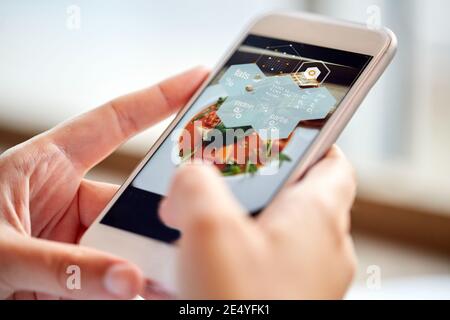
254, 121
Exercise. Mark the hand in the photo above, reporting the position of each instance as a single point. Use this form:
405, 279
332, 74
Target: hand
45, 202
298, 248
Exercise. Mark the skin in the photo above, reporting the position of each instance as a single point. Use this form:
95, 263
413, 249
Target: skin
299, 247
46, 204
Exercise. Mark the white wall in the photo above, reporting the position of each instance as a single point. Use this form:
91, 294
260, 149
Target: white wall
50, 72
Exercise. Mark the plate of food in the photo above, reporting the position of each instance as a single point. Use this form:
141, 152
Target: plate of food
206, 137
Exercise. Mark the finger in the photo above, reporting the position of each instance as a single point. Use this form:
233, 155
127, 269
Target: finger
93, 197
66, 270
46, 296
91, 137
217, 235
328, 188
198, 195
24, 295
153, 291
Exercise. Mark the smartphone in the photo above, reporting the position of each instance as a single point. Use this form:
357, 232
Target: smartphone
287, 87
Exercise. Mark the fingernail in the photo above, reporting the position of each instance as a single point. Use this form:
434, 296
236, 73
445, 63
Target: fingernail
155, 291
119, 280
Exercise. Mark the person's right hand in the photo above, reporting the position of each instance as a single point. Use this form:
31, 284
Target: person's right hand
298, 248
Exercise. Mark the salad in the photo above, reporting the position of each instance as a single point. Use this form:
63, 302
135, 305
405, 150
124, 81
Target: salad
245, 153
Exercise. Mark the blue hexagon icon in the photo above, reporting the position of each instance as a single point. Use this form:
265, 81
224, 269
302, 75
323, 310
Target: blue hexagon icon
314, 103
238, 111
240, 79
288, 108
275, 92
279, 124
271, 105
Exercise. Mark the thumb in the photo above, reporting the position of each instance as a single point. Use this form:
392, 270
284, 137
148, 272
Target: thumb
198, 195
217, 235
65, 270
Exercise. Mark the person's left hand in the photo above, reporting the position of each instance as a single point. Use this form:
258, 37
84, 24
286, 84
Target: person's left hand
45, 202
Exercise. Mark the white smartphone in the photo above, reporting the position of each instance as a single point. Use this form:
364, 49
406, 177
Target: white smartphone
291, 83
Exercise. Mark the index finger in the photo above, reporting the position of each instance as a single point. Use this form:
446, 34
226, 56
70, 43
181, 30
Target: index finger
89, 138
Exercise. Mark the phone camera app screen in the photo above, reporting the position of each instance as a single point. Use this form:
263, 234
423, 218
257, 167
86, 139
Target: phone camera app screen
254, 121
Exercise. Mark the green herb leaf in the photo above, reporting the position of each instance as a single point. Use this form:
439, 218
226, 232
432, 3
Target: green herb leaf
251, 168
231, 170
282, 157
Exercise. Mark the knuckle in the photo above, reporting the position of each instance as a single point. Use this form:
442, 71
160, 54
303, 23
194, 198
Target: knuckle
349, 181
352, 267
332, 215
126, 124
350, 260
338, 228
353, 175
324, 203
327, 207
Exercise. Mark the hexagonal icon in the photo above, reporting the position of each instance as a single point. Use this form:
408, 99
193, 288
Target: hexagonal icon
273, 90
312, 73
277, 125
313, 104
238, 111
272, 105
275, 105
307, 66
239, 79
307, 104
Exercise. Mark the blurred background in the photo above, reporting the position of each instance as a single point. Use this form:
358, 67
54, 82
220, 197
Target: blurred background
61, 58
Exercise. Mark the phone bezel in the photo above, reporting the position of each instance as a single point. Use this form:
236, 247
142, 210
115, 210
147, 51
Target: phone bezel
158, 259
